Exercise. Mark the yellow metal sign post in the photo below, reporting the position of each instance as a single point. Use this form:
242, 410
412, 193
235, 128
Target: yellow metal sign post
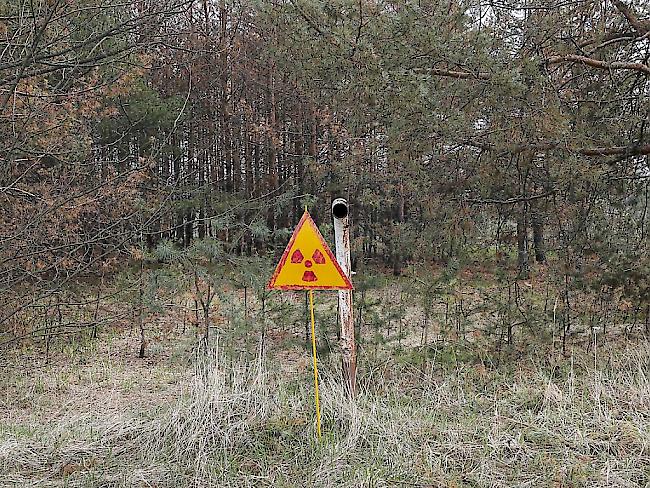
313, 348
308, 264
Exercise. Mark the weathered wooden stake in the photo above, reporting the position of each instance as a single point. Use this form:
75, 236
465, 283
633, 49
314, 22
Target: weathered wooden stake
348, 346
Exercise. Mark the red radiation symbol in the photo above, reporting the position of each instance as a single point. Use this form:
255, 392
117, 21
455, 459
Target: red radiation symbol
317, 258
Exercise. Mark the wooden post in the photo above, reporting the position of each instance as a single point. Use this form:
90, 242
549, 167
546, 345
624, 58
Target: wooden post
348, 345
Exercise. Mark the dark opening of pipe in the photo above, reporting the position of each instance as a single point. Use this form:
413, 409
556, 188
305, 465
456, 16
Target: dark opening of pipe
340, 210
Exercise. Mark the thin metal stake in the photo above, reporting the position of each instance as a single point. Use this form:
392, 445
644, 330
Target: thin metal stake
313, 346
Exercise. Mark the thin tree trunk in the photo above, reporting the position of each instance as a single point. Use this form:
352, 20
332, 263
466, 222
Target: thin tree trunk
522, 244
143, 342
538, 236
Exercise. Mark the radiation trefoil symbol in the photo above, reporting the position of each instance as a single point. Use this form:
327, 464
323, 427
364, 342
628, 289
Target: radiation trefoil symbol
308, 263
316, 258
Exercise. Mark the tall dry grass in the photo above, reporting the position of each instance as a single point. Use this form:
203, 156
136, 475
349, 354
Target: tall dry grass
543, 421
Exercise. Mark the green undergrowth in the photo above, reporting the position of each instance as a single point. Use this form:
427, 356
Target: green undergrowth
543, 421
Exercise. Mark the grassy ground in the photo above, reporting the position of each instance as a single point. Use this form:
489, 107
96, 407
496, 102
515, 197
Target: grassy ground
177, 419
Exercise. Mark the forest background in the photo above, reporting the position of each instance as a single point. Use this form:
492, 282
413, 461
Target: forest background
507, 139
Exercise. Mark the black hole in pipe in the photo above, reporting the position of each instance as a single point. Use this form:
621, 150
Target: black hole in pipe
340, 210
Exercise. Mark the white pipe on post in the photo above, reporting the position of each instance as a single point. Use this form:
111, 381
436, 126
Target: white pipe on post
348, 345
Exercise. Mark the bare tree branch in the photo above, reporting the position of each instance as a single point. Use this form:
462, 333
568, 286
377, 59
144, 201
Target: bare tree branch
597, 63
641, 27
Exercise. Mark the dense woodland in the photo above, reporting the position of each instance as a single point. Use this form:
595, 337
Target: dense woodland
510, 138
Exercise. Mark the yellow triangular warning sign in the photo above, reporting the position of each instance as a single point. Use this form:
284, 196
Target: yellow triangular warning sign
308, 263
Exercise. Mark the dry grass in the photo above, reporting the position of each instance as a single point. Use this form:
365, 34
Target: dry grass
544, 421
